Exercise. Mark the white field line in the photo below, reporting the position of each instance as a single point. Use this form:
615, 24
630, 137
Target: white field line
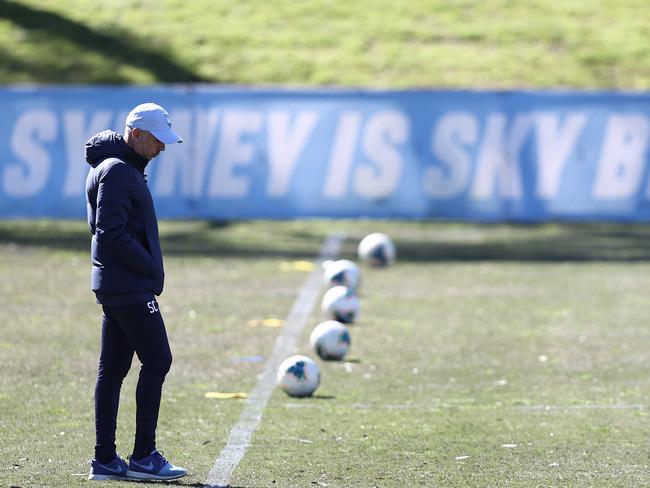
251, 416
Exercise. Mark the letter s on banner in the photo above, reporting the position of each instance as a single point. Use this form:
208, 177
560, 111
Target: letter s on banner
383, 132
29, 176
454, 132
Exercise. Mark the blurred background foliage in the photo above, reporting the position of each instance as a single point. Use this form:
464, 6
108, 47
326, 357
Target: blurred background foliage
495, 44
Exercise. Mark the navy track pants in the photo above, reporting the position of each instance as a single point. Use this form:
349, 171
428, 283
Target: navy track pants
127, 329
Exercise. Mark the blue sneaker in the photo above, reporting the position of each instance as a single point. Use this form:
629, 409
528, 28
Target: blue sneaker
153, 467
115, 470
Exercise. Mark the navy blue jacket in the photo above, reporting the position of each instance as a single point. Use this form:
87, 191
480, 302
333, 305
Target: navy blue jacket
127, 264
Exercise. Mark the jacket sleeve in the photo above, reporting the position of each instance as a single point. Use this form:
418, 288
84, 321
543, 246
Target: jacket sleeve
113, 208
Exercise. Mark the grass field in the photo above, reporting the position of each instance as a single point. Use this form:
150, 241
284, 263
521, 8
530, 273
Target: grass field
488, 356
368, 43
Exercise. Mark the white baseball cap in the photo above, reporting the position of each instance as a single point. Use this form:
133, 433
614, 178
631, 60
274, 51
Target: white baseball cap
155, 119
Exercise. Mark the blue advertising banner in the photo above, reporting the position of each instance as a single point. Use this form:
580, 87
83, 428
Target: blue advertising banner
273, 153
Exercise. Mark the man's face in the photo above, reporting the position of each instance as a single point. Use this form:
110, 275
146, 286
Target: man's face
146, 145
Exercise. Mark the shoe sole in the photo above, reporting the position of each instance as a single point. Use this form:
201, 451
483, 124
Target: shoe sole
137, 475
105, 477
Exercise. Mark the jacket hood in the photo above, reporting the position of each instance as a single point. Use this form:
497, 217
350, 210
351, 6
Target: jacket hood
109, 144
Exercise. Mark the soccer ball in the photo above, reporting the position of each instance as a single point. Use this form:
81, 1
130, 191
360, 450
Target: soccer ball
341, 272
330, 340
377, 250
340, 303
298, 376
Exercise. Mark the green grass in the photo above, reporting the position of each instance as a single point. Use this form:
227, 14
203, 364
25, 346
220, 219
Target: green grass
366, 43
479, 336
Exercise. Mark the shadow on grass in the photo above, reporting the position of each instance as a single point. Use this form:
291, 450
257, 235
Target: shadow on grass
116, 45
552, 242
198, 238
224, 486
351, 360
169, 483
474, 242
181, 482
195, 484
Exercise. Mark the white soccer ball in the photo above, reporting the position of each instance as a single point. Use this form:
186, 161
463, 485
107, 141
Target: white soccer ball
377, 250
341, 272
340, 303
330, 340
298, 376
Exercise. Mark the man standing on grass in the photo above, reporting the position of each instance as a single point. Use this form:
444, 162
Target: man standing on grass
127, 275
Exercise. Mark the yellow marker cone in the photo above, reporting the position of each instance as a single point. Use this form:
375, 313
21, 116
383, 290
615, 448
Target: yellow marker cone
297, 266
270, 322
225, 396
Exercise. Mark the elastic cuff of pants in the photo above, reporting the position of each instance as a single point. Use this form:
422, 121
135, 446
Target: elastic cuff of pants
105, 458
142, 453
